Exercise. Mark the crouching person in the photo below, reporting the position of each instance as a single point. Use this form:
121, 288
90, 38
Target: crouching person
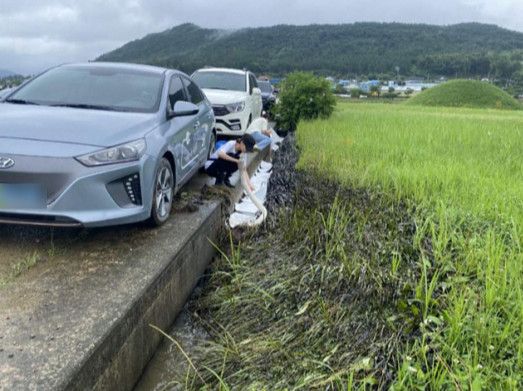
226, 159
259, 130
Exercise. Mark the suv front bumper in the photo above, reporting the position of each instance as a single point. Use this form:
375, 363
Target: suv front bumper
230, 124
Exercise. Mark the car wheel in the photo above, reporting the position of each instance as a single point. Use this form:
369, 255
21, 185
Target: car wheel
163, 193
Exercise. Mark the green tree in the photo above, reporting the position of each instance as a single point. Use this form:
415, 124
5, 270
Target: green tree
375, 90
303, 96
339, 89
355, 93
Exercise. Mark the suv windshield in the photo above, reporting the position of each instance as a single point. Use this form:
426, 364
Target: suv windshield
265, 86
94, 87
220, 80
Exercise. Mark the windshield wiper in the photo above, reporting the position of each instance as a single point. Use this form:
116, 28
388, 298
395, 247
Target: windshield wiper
21, 102
84, 106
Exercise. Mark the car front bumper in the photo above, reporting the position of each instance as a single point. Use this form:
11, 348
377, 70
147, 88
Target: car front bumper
76, 195
232, 124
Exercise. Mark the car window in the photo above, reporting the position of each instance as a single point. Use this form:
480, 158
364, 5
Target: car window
254, 81
106, 87
195, 94
176, 91
265, 86
218, 80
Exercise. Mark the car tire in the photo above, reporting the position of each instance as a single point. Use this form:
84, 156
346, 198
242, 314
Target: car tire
163, 193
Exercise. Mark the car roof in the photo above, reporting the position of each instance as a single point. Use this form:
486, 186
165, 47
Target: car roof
228, 70
121, 65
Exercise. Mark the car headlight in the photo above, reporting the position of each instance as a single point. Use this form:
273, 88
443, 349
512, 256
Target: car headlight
127, 152
235, 107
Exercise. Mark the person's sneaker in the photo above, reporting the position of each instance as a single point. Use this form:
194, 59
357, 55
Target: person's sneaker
228, 183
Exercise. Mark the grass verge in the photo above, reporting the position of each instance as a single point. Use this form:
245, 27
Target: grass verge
397, 263
461, 169
324, 302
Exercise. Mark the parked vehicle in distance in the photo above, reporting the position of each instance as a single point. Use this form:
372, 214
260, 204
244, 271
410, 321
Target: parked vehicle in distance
234, 95
268, 96
99, 144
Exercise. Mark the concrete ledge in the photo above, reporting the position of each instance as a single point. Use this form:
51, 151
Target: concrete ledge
78, 327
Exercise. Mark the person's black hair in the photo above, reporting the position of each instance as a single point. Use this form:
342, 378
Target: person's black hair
249, 142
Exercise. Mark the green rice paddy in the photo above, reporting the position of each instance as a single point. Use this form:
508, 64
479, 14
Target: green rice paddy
394, 260
461, 171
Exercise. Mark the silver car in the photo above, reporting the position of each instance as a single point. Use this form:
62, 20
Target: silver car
100, 144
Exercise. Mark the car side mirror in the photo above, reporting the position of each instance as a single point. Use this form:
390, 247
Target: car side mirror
183, 109
256, 91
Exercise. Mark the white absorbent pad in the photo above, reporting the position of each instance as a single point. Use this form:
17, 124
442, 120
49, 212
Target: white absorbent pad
246, 211
265, 167
238, 219
246, 206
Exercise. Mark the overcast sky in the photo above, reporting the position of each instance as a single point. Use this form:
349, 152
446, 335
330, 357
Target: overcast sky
36, 34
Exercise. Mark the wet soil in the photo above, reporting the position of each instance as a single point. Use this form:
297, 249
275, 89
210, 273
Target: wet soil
314, 298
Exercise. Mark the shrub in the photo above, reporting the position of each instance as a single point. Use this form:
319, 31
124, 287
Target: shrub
339, 89
355, 93
390, 95
303, 96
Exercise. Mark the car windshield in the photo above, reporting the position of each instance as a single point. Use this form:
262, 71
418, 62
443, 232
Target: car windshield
94, 87
265, 86
220, 80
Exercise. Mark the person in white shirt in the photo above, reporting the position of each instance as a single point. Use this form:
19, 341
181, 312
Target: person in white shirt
226, 159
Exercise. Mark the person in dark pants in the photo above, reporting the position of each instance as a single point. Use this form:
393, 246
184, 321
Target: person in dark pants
225, 160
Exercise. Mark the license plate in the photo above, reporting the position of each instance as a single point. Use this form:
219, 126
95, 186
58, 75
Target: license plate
21, 196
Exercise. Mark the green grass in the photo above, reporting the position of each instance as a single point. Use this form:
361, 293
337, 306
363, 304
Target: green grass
18, 268
466, 93
313, 304
461, 169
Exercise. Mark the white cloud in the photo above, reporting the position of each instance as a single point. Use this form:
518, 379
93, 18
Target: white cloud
35, 46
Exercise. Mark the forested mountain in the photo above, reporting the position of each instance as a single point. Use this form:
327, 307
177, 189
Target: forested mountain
6, 73
345, 49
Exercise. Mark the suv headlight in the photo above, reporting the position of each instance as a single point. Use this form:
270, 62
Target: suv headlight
127, 152
235, 107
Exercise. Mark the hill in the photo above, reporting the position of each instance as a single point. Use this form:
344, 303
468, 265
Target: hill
466, 93
6, 73
345, 49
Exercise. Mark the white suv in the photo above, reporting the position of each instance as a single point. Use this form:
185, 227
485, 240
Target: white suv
234, 95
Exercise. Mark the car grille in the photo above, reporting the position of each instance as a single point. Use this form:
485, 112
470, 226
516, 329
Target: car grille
220, 111
54, 184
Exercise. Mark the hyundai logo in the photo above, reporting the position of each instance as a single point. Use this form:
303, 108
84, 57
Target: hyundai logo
6, 162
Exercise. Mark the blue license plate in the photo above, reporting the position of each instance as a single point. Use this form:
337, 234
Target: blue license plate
21, 196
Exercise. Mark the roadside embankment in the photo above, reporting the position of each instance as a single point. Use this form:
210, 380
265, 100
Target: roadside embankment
79, 317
